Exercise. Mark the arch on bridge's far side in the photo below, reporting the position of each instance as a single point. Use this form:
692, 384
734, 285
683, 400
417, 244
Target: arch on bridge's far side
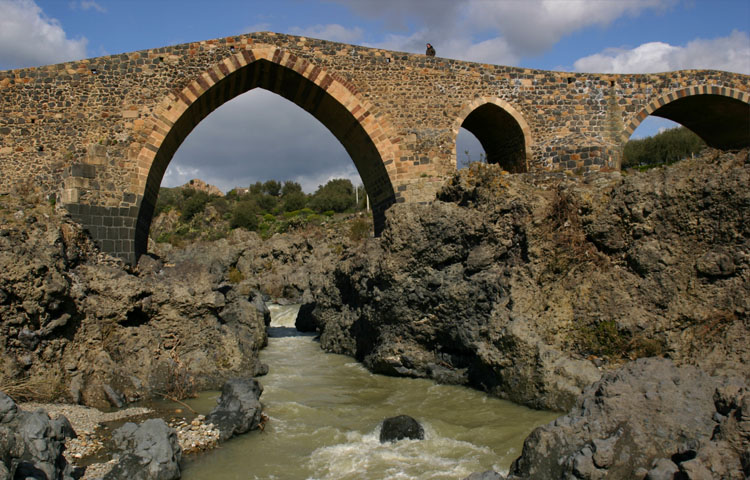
501, 129
719, 115
365, 135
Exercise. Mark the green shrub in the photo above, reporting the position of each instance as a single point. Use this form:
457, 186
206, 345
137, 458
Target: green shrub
235, 276
266, 202
336, 195
221, 204
194, 204
164, 237
168, 199
359, 230
244, 215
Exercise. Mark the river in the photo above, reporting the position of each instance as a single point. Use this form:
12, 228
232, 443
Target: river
324, 414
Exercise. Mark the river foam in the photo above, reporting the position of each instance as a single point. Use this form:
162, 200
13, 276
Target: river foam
325, 412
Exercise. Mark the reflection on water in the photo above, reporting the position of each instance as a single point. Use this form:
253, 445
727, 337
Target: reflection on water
325, 412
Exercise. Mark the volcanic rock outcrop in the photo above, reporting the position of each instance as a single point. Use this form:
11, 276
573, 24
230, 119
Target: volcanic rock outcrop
530, 286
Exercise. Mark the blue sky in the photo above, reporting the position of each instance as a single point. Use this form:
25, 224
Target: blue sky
572, 35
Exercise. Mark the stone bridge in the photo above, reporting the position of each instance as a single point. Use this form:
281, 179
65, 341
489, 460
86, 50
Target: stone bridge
99, 133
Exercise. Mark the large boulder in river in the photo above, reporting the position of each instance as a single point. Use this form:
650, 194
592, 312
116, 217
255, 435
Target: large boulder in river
239, 409
402, 426
32, 444
149, 451
648, 418
305, 321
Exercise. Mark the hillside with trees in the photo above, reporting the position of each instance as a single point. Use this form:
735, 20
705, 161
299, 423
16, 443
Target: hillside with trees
663, 148
184, 214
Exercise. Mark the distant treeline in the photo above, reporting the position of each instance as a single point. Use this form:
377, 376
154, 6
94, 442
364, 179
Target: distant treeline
248, 208
666, 147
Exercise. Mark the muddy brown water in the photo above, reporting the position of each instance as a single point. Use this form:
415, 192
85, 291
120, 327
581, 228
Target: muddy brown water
324, 415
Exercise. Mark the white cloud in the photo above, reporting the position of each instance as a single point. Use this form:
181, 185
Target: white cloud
492, 31
494, 50
530, 27
177, 175
87, 5
29, 38
333, 32
730, 53
260, 136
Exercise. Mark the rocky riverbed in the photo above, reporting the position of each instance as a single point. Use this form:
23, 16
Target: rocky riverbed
529, 287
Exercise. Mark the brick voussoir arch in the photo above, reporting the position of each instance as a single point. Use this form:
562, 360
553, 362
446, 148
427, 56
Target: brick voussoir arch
504, 105
175, 104
673, 95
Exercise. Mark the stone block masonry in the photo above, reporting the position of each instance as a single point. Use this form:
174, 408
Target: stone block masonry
99, 133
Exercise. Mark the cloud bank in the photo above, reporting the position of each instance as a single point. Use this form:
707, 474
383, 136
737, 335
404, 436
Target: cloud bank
499, 32
255, 137
731, 53
29, 38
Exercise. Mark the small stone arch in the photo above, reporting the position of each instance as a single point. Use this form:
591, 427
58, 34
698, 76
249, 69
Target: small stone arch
486, 115
719, 115
364, 132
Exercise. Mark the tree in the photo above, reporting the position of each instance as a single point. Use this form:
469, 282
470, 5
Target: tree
255, 189
195, 202
292, 197
290, 187
245, 215
272, 187
336, 195
665, 147
168, 199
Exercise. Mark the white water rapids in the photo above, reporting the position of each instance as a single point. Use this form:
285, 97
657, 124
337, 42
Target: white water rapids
324, 414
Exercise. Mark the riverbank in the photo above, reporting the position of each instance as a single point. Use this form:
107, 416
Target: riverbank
93, 429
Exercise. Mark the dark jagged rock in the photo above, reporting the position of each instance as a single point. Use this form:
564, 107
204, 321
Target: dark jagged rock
305, 321
168, 326
32, 444
149, 451
239, 409
183, 319
530, 286
648, 419
400, 427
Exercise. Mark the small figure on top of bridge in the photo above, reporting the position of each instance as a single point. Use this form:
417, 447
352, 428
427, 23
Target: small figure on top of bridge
430, 50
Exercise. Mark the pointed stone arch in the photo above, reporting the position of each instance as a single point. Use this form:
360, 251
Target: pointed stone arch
486, 118
365, 133
719, 115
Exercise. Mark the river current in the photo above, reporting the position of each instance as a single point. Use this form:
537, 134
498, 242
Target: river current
324, 413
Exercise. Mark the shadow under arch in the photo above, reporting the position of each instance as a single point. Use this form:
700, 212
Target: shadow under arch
719, 115
332, 102
501, 129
